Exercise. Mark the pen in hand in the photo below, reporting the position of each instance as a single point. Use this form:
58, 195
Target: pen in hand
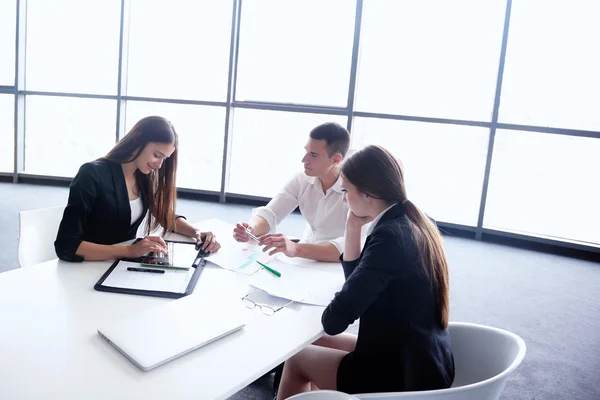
251, 235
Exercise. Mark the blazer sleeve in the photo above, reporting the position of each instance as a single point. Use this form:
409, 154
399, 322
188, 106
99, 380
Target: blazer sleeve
378, 265
82, 196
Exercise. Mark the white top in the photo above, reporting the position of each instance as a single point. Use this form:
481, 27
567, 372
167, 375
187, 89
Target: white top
136, 209
370, 228
325, 213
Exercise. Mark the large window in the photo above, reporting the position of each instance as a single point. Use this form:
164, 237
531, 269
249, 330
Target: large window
179, 49
73, 45
62, 133
430, 58
551, 76
443, 164
268, 147
425, 88
8, 17
296, 51
200, 130
7, 136
545, 185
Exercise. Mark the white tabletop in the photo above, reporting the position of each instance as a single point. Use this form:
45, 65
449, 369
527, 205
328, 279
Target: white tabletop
49, 346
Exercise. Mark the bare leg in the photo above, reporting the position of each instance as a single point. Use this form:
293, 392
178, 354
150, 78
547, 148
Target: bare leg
344, 341
315, 364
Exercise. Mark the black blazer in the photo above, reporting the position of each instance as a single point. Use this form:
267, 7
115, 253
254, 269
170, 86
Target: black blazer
401, 344
98, 209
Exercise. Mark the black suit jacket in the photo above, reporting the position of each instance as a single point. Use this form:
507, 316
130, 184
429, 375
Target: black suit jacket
98, 209
401, 344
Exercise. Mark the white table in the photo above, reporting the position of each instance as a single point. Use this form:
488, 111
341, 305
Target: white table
49, 347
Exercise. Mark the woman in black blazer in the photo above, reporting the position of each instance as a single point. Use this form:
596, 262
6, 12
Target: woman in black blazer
109, 198
397, 285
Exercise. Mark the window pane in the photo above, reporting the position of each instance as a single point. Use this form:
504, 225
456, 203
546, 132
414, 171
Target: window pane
201, 134
188, 57
545, 185
296, 52
430, 58
8, 18
62, 133
270, 141
73, 45
551, 74
444, 164
7, 132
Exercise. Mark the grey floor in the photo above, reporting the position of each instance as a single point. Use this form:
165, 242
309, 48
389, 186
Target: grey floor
551, 301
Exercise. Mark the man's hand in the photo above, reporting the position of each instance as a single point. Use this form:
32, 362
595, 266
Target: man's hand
279, 243
239, 232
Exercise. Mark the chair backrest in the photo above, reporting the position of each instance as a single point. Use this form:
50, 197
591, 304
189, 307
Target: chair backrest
482, 352
37, 233
483, 357
323, 395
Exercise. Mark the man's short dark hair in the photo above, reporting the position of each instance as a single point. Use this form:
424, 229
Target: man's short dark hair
335, 135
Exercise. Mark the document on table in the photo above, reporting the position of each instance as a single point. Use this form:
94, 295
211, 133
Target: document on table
240, 257
309, 283
173, 280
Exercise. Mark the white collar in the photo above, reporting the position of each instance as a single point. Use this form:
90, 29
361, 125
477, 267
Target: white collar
337, 186
376, 220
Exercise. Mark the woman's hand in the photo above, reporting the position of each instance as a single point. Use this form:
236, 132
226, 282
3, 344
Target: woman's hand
148, 244
356, 223
353, 240
208, 241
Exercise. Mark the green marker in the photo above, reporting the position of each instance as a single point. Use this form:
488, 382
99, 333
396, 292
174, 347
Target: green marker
271, 270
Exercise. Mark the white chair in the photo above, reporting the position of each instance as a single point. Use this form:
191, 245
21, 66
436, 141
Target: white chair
323, 395
484, 357
37, 233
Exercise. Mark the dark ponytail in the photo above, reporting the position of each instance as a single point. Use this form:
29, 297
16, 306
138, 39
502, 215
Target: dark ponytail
376, 172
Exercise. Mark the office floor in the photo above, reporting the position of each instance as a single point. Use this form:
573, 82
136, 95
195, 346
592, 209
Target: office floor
551, 301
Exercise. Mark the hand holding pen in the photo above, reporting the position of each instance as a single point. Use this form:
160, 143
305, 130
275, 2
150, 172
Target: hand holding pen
243, 232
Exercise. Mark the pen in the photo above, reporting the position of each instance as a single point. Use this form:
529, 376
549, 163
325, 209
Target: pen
271, 270
251, 235
155, 271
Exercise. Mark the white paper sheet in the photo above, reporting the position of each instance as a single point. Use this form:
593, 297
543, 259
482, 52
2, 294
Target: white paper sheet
240, 257
310, 283
175, 281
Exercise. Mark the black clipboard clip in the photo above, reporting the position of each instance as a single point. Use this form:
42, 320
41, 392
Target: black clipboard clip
200, 260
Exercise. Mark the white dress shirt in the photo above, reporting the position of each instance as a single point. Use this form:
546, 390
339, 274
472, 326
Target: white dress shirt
325, 213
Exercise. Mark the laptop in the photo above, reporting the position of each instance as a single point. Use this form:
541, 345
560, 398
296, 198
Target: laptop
161, 334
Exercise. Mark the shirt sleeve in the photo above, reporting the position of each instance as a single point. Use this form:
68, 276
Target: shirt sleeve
282, 204
339, 243
377, 266
82, 195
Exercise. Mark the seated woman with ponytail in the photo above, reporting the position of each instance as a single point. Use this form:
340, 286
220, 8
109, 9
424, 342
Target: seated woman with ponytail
397, 285
109, 198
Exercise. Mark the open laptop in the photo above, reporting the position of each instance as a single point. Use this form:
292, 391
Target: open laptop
166, 332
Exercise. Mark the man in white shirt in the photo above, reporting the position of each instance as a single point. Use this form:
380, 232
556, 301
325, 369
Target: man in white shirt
317, 192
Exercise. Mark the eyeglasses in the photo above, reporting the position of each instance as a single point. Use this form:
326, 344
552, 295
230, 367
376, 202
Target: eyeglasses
265, 309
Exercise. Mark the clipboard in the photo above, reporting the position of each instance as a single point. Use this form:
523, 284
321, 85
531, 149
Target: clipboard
196, 269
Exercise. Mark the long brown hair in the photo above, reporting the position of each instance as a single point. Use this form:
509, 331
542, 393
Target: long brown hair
157, 188
376, 172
